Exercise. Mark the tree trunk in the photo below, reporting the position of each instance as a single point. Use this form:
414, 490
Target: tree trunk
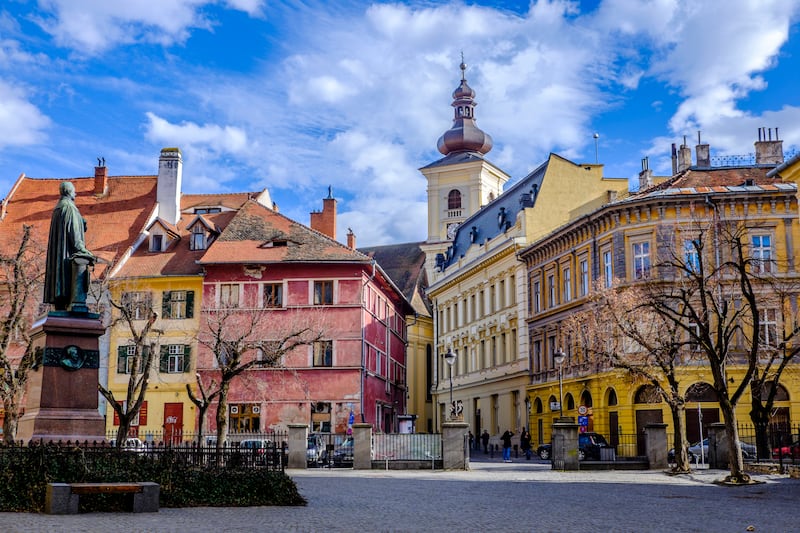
680, 444
737, 474
222, 413
10, 420
759, 415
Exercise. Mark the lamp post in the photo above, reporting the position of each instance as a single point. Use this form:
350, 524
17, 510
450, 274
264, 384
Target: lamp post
558, 358
450, 359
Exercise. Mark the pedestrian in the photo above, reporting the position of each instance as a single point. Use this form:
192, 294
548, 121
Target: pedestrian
485, 441
471, 440
525, 443
506, 438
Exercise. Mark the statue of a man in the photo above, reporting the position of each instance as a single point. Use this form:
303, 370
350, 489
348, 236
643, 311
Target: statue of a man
67, 275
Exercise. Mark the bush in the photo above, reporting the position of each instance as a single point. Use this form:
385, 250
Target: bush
26, 471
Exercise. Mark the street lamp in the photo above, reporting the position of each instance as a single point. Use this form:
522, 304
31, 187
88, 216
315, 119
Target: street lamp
558, 358
450, 359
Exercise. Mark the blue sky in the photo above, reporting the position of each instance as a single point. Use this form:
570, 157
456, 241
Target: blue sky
297, 96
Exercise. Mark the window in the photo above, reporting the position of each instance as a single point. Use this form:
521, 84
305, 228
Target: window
768, 328
567, 277
641, 260
761, 253
323, 292
323, 353
177, 304
244, 418
207, 210
156, 243
691, 255
229, 295
126, 356
537, 297
537, 356
138, 304
694, 337
454, 199
584, 265
174, 359
198, 241
273, 295
551, 291
608, 269
492, 299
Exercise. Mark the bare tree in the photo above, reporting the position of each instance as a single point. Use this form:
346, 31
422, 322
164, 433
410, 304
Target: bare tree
241, 339
619, 329
709, 288
21, 276
140, 322
203, 401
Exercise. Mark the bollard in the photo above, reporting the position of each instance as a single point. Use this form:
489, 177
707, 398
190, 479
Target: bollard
516, 451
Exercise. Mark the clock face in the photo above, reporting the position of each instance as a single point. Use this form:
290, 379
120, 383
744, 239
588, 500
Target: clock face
451, 230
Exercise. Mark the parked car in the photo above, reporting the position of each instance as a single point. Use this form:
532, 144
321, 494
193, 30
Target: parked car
343, 454
589, 445
256, 447
699, 452
316, 453
132, 444
787, 450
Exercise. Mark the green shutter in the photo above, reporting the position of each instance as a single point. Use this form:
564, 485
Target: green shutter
165, 307
189, 305
163, 364
122, 359
187, 359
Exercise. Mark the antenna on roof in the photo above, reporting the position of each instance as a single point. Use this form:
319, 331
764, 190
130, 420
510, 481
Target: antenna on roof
596, 159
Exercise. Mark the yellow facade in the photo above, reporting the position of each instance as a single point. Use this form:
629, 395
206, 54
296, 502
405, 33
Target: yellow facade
168, 406
607, 246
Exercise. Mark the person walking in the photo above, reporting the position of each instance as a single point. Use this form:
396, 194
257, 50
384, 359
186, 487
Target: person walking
485, 441
506, 438
525, 443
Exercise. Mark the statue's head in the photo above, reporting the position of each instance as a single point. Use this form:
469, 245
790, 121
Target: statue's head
67, 189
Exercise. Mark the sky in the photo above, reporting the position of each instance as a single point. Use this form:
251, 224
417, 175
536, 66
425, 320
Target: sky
297, 96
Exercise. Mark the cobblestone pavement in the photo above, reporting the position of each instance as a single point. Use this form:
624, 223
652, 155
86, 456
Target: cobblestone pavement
493, 496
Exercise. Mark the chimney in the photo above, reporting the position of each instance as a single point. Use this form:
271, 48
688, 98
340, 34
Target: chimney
351, 239
684, 156
768, 152
646, 175
100, 177
703, 153
325, 221
674, 159
170, 174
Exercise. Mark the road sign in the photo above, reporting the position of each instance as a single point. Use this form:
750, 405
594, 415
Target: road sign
583, 420
582, 410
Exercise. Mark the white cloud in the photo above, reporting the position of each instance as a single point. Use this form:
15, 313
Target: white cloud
21, 122
214, 138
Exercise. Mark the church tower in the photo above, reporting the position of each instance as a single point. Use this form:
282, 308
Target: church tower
462, 181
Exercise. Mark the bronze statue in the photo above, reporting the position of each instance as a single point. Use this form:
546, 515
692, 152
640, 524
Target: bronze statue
67, 275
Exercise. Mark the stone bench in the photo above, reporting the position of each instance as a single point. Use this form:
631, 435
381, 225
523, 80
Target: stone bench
63, 498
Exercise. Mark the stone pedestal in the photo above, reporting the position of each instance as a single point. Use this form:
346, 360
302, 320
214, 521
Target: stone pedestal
564, 446
656, 438
455, 455
61, 397
362, 447
298, 444
718, 453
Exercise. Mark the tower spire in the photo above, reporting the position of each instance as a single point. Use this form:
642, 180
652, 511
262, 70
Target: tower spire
464, 135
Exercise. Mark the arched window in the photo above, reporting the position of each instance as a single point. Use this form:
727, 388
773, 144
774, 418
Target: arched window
570, 401
647, 394
537, 406
553, 403
454, 199
781, 394
586, 398
701, 392
612, 397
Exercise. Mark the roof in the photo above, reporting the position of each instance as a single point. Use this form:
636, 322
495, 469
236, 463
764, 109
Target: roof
455, 158
257, 235
114, 219
178, 259
405, 265
717, 180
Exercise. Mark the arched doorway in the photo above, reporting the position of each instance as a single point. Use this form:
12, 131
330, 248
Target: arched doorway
647, 396
702, 410
613, 417
538, 408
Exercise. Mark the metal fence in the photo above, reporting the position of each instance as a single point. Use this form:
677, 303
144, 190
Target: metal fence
181, 438
628, 445
407, 446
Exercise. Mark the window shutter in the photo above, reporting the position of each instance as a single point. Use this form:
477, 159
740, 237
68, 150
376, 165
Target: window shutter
189, 305
187, 360
163, 365
122, 360
165, 307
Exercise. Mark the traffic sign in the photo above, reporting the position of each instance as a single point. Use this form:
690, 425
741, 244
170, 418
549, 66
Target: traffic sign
582, 410
583, 420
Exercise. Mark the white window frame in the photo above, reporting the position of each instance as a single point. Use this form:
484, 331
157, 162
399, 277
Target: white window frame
640, 255
584, 266
537, 296
691, 255
761, 254
566, 275
226, 301
608, 268
768, 328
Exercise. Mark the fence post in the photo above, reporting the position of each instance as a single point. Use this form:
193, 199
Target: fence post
454, 453
655, 436
717, 446
362, 446
298, 441
564, 446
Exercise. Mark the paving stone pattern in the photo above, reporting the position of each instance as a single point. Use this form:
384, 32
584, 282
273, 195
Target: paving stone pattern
492, 497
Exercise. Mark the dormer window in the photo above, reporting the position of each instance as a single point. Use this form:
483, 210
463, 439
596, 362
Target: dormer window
156, 243
207, 210
198, 238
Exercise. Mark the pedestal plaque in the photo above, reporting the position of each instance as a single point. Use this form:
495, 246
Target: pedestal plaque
61, 398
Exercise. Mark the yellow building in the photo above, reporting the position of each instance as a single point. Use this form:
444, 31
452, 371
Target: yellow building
619, 243
477, 282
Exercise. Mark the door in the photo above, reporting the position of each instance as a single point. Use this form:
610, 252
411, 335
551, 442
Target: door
173, 423
613, 428
643, 418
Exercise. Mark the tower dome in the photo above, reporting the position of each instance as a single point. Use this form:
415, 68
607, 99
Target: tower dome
464, 135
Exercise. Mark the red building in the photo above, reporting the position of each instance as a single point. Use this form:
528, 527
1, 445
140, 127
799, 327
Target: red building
293, 277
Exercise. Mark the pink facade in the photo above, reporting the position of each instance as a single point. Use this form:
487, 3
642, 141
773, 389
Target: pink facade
361, 371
